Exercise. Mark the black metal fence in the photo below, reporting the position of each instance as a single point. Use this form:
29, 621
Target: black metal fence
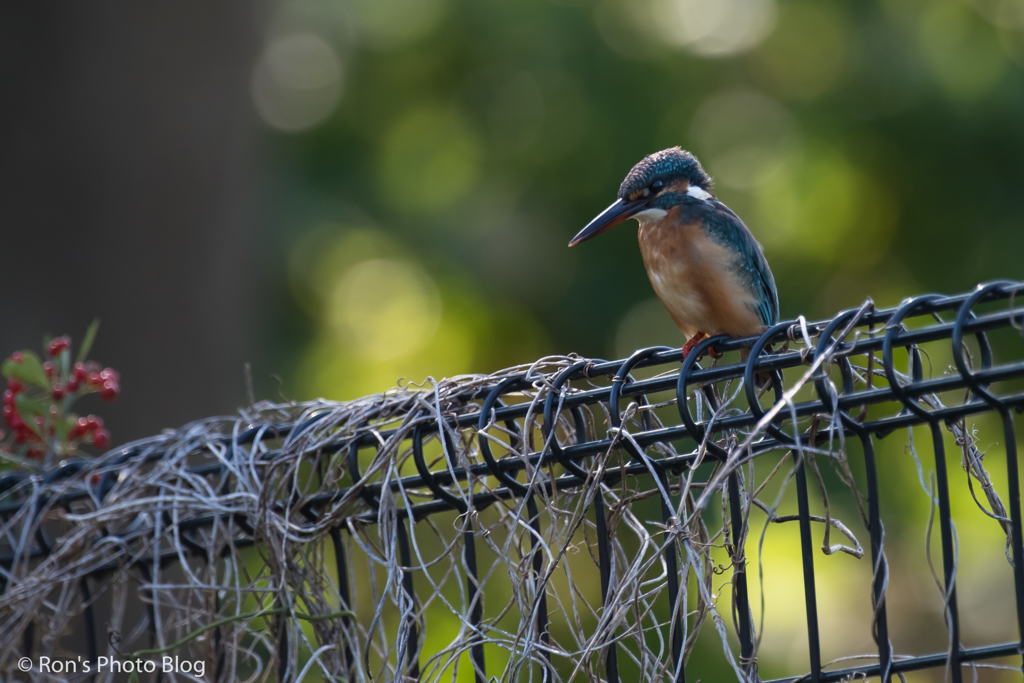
832, 380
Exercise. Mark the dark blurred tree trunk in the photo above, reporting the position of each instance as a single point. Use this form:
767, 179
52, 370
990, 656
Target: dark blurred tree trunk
126, 192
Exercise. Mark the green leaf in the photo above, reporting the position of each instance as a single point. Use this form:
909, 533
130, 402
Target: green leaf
32, 406
30, 369
29, 408
87, 340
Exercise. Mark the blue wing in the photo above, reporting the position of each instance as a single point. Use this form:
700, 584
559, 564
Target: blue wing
725, 227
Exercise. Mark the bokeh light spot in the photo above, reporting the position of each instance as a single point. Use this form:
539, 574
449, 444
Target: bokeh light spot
962, 52
317, 259
429, 160
807, 53
385, 308
389, 24
1008, 14
297, 82
626, 28
712, 29
744, 138
828, 209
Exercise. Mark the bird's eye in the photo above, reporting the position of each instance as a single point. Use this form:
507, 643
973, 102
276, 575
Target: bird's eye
657, 185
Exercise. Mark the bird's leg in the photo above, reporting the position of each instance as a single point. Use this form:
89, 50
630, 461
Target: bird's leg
692, 342
714, 352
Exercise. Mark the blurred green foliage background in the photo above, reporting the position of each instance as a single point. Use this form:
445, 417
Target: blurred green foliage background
433, 157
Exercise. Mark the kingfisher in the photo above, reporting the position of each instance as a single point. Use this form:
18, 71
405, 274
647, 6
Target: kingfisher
702, 260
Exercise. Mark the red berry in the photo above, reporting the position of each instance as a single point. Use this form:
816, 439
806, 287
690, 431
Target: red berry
80, 429
72, 385
9, 398
16, 422
110, 391
17, 357
94, 480
14, 385
35, 454
23, 432
101, 438
48, 367
95, 380
57, 392
93, 422
80, 373
110, 374
59, 344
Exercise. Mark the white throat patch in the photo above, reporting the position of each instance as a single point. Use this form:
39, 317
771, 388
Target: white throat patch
649, 216
698, 192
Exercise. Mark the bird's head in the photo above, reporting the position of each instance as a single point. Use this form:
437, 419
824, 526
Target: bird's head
656, 184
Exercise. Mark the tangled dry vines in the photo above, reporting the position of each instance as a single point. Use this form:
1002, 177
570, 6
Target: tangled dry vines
572, 519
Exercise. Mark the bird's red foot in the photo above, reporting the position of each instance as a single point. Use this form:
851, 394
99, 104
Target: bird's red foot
714, 352
692, 343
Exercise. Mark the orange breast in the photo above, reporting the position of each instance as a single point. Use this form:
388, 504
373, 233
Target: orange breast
696, 278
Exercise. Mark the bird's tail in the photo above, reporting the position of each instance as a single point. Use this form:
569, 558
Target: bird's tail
762, 380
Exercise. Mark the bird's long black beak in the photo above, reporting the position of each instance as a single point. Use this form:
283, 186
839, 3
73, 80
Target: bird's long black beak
609, 218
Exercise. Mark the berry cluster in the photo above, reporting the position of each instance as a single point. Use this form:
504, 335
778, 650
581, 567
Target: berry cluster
39, 396
90, 425
91, 376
